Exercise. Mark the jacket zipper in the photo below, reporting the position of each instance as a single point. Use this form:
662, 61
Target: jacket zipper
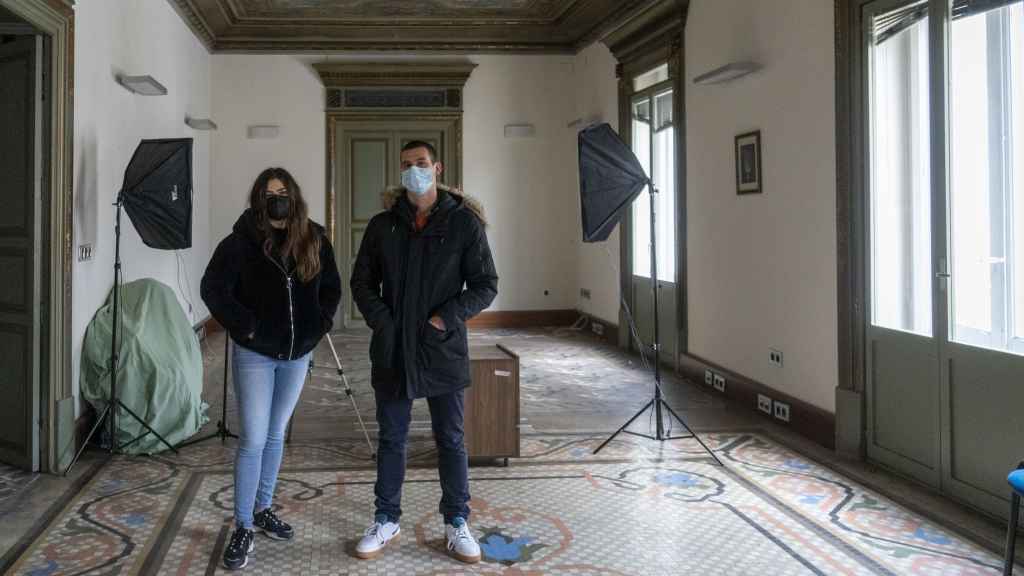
291, 309
291, 320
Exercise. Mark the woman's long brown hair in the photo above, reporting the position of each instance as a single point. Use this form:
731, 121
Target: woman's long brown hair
303, 241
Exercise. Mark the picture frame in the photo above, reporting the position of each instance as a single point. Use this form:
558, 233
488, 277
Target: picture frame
748, 163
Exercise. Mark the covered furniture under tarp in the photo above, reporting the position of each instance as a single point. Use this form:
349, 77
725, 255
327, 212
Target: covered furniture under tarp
160, 372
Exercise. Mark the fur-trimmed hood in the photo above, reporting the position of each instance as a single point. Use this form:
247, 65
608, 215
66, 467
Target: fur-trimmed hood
391, 194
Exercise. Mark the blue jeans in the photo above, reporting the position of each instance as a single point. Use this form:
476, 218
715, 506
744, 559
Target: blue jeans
446, 414
266, 391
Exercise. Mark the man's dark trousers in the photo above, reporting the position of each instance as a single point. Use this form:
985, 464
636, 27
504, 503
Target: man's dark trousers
393, 417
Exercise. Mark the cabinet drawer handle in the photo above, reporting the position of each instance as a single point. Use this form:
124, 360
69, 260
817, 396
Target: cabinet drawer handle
502, 373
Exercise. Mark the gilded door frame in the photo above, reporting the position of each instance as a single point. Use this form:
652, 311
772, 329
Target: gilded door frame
444, 82
336, 121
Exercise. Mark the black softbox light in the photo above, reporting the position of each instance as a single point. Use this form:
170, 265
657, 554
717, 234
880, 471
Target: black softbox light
610, 178
157, 193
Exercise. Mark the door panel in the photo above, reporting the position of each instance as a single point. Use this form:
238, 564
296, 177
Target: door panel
985, 406
369, 169
904, 418
19, 154
368, 162
653, 135
903, 386
368, 159
982, 356
945, 242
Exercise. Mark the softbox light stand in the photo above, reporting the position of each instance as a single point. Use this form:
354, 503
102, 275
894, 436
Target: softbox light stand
109, 412
611, 178
222, 431
157, 194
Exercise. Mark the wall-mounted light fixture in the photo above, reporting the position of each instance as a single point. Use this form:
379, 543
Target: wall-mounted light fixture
519, 131
143, 85
200, 123
729, 72
583, 123
265, 132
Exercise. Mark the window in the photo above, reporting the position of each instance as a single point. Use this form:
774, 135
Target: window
900, 185
650, 78
987, 178
654, 146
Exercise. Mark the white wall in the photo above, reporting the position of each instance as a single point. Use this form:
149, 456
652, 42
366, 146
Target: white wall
597, 99
762, 269
137, 37
527, 186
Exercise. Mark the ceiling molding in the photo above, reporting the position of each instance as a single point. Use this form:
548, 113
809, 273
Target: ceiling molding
447, 26
658, 27
439, 74
194, 20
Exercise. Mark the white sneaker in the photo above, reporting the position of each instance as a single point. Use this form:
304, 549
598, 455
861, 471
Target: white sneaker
376, 539
461, 544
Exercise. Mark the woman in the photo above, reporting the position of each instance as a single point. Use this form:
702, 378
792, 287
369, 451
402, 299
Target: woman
274, 286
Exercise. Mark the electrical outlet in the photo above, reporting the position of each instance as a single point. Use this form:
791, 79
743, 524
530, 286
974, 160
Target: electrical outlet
709, 377
719, 382
84, 252
781, 410
598, 328
764, 404
585, 293
775, 357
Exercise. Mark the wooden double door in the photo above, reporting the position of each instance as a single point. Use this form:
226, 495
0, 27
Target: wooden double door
367, 161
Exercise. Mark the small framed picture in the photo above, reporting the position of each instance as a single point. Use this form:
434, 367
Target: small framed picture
748, 163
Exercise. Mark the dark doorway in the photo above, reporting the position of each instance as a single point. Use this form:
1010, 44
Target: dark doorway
21, 167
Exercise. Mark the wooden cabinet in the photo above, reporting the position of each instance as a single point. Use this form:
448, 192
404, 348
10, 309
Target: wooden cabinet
492, 404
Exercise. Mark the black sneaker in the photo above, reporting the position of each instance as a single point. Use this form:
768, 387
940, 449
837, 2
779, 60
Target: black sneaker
272, 526
236, 555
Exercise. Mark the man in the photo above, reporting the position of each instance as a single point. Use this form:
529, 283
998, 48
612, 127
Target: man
424, 268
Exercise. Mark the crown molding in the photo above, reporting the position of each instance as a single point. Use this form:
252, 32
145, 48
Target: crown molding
195, 21
438, 74
550, 27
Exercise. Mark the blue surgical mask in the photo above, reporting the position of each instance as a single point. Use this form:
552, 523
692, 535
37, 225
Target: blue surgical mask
418, 180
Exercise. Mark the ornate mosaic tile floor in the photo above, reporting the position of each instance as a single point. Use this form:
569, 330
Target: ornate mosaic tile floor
637, 508
12, 482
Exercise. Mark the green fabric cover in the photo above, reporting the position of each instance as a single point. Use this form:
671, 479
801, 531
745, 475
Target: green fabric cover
160, 372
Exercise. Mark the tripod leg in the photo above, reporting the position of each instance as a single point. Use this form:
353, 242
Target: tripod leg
348, 391
362, 425
692, 433
624, 426
95, 427
147, 427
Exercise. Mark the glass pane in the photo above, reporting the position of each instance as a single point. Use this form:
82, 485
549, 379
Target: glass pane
650, 78
641, 215
664, 177
369, 177
1017, 163
986, 177
900, 201
657, 155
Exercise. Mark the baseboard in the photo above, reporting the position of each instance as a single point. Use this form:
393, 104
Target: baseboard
805, 419
83, 424
524, 319
609, 332
209, 326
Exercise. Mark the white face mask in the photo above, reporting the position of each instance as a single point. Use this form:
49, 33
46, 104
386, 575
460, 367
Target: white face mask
418, 180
